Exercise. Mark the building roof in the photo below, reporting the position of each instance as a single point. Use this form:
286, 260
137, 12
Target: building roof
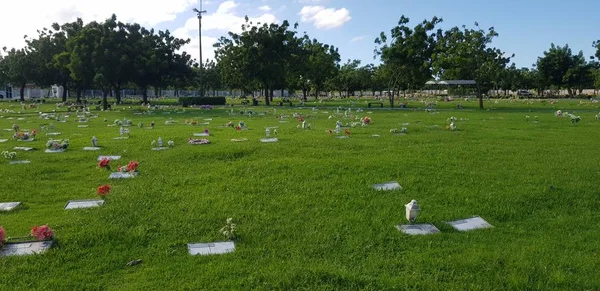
451, 82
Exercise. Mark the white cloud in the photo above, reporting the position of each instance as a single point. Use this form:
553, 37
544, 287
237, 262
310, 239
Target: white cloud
324, 18
26, 17
225, 19
265, 8
358, 38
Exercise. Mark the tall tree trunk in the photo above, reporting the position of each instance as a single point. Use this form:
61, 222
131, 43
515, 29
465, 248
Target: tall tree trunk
304, 94
64, 92
118, 93
480, 96
105, 99
267, 100
78, 95
22, 92
271, 94
145, 94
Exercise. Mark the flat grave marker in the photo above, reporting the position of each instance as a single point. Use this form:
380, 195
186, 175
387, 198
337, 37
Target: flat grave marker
269, 140
112, 158
83, 126
418, 229
8, 206
121, 175
239, 139
53, 133
91, 148
25, 248
23, 148
216, 248
121, 137
388, 186
3, 140
470, 224
88, 203
54, 151
20, 162
160, 148
202, 134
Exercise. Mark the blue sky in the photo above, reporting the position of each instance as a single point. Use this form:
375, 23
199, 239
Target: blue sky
526, 27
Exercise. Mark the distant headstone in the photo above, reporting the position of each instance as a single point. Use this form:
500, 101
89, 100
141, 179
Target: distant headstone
19, 162
76, 204
121, 137
53, 133
388, 186
91, 148
27, 140
376, 135
112, 158
205, 249
160, 148
470, 224
83, 126
8, 206
269, 140
121, 175
342, 136
54, 151
418, 229
3, 140
239, 139
25, 248
23, 148
202, 134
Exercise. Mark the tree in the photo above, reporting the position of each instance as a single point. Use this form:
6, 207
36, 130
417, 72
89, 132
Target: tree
560, 68
19, 67
408, 54
321, 64
259, 55
466, 54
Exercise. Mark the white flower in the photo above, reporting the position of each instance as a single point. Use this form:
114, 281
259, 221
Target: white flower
171, 143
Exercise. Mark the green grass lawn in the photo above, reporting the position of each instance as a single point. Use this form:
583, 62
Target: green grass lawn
307, 216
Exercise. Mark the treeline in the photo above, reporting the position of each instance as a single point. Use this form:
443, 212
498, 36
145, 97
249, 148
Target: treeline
268, 57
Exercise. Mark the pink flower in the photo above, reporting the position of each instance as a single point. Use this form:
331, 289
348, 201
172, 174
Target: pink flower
43, 232
2, 235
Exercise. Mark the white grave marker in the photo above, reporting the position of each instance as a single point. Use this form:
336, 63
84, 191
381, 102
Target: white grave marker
19, 162
53, 133
470, 224
217, 248
418, 229
23, 148
160, 148
27, 140
112, 158
83, 126
121, 137
342, 136
25, 248
201, 134
121, 175
388, 186
76, 204
54, 151
269, 140
239, 139
91, 148
3, 140
8, 206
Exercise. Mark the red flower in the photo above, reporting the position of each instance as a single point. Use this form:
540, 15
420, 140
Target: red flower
104, 163
2, 235
103, 190
132, 166
43, 232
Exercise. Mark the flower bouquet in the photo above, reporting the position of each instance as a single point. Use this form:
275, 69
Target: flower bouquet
24, 136
104, 163
9, 155
128, 171
198, 141
103, 191
56, 146
40, 239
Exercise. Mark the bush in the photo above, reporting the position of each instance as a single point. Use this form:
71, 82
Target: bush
187, 101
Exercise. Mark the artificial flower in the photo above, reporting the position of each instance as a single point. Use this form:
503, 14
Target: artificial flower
103, 190
104, 163
43, 232
2, 235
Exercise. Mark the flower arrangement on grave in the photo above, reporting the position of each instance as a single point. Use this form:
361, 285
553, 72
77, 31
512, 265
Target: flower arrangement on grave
366, 120
190, 121
171, 143
451, 126
43, 232
229, 124
347, 132
103, 190
394, 130
24, 135
2, 236
9, 155
229, 229
198, 141
131, 167
57, 144
140, 125
104, 163
207, 107
118, 122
